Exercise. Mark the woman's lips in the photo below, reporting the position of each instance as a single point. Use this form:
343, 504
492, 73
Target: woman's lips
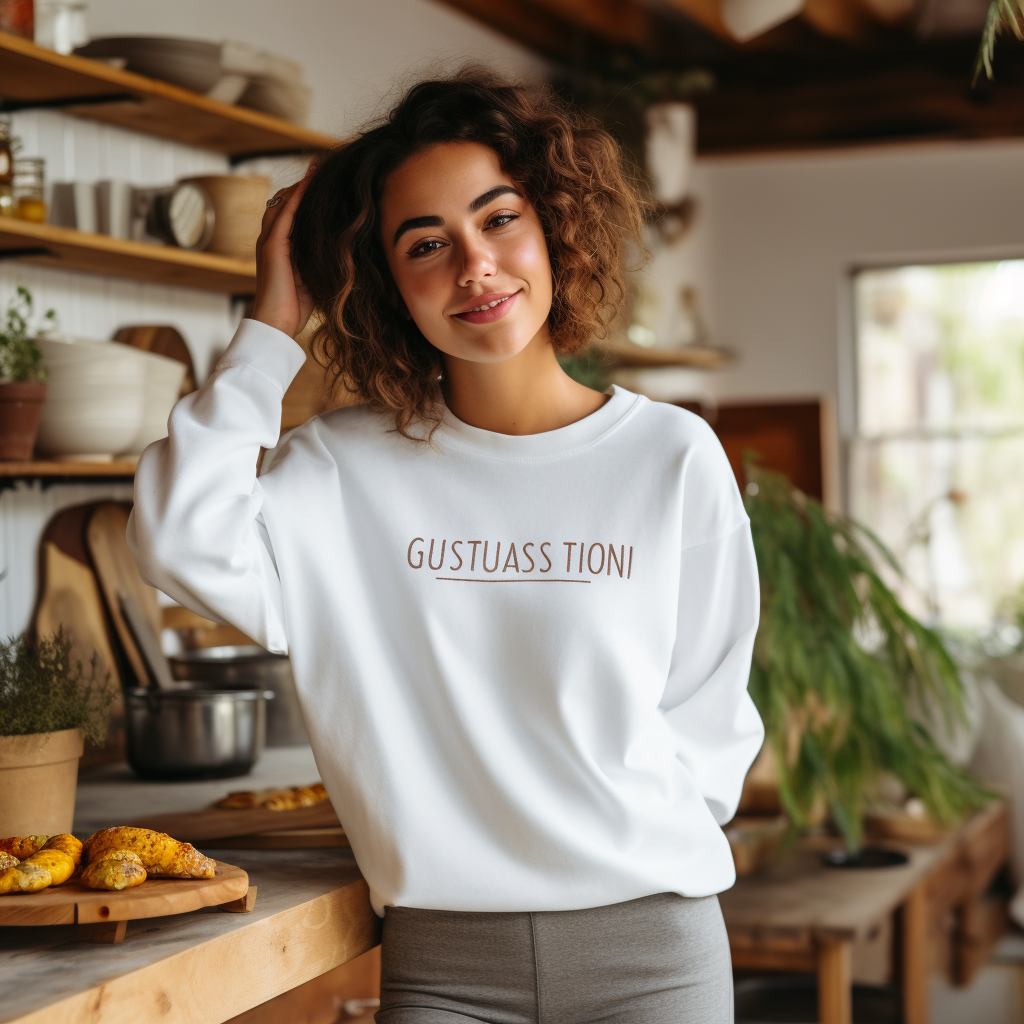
486, 316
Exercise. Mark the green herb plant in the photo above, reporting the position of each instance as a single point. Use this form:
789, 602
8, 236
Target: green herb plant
20, 359
44, 689
839, 667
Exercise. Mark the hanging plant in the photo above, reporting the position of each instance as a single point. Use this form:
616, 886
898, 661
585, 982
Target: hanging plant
839, 665
1002, 14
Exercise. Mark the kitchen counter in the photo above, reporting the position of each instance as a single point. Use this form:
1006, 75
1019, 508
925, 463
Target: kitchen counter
312, 914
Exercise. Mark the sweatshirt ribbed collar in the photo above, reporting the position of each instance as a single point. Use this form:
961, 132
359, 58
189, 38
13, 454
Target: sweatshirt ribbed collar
454, 433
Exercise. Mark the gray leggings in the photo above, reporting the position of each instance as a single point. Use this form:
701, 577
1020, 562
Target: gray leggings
661, 959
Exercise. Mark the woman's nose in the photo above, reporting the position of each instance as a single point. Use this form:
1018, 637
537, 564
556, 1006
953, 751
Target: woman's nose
477, 263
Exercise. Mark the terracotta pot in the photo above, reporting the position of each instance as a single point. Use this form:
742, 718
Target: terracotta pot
38, 779
239, 202
20, 408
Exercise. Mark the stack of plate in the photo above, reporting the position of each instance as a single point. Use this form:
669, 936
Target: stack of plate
191, 63
104, 399
232, 72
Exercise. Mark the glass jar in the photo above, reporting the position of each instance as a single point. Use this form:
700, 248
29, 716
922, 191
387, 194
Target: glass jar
29, 200
61, 25
6, 169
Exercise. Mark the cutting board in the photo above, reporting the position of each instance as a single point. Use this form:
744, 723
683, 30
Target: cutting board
164, 341
68, 595
116, 570
199, 827
75, 903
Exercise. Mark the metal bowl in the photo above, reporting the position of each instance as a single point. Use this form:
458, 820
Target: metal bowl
194, 732
250, 667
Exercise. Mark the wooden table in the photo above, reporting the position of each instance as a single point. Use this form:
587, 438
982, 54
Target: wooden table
312, 914
802, 916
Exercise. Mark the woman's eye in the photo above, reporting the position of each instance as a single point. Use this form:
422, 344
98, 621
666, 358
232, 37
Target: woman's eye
499, 220
426, 247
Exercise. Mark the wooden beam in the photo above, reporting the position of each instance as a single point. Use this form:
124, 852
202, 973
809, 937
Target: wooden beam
892, 104
527, 23
562, 28
706, 13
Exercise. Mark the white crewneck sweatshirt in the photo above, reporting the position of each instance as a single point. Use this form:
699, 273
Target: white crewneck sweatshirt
522, 660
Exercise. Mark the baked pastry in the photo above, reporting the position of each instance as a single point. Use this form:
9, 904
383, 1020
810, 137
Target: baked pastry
54, 864
22, 846
116, 869
275, 799
160, 854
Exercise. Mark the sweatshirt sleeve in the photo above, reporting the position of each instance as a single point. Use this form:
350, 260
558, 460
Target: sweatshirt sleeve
196, 530
705, 702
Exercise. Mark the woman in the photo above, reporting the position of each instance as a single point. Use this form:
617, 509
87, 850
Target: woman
519, 612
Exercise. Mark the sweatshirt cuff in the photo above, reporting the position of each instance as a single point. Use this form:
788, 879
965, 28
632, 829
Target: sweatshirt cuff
265, 349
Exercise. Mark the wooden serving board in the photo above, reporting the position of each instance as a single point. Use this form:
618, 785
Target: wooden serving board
75, 903
198, 827
286, 839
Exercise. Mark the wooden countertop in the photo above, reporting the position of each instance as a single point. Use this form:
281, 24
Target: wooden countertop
312, 914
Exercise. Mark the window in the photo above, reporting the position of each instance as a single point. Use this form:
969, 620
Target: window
937, 467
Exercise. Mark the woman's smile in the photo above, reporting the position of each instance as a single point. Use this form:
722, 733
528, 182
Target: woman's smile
490, 307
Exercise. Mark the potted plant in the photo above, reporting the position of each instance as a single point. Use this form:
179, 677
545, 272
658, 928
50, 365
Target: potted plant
839, 668
22, 379
49, 704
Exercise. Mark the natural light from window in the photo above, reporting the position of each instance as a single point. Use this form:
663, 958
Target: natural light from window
937, 469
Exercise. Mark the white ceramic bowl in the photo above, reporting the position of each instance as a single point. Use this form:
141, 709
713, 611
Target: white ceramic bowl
94, 398
160, 392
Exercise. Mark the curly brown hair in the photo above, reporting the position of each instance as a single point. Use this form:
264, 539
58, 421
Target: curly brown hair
567, 165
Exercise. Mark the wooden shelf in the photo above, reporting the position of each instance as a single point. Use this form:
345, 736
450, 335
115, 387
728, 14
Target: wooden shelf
49, 469
698, 357
68, 249
32, 76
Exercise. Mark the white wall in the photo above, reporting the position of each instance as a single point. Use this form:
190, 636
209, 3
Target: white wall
356, 55
778, 236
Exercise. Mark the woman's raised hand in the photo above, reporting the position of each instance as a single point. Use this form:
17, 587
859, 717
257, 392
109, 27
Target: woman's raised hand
282, 300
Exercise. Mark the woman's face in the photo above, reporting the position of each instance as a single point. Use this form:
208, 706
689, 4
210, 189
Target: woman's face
467, 252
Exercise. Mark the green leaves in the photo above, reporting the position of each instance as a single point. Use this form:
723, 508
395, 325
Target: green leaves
20, 358
1002, 14
839, 665
44, 689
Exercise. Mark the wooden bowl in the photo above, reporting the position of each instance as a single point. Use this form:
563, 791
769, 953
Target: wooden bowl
239, 201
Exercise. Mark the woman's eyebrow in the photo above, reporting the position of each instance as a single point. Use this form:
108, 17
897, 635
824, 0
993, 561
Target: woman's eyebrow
434, 221
417, 222
488, 197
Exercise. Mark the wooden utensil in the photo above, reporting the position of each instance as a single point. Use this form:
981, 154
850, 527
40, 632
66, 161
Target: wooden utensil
215, 823
147, 642
116, 570
163, 341
75, 903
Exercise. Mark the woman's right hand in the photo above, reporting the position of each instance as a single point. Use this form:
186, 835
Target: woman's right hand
282, 300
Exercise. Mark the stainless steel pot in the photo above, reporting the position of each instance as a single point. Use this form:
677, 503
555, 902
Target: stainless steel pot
249, 667
194, 732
